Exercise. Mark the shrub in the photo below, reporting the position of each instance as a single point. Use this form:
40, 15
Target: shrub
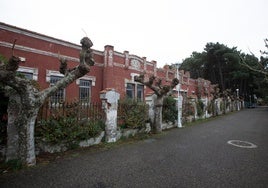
169, 111
67, 130
210, 107
14, 164
188, 109
200, 108
132, 114
221, 106
92, 129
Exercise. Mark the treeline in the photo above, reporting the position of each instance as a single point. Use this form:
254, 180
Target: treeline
224, 66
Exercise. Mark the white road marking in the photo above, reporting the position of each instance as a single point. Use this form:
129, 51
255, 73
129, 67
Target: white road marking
242, 144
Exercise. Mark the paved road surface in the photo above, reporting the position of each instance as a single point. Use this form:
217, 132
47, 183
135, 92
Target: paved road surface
196, 156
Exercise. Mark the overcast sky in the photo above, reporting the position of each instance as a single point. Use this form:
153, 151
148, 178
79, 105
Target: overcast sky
167, 31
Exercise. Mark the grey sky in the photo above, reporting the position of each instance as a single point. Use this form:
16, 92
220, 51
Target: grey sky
163, 30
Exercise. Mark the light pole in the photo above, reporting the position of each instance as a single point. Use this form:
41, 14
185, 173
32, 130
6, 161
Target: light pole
179, 97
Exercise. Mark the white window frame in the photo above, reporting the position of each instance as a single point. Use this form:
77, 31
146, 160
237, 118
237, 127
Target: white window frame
56, 74
89, 91
132, 81
90, 78
33, 71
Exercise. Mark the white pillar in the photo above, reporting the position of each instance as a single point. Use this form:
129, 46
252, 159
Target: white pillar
179, 110
110, 103
179, 99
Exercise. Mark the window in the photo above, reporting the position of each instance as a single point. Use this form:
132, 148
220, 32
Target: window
130, 91
27, 75
58, 96
140, 92
28, 72
135, 91
85, 90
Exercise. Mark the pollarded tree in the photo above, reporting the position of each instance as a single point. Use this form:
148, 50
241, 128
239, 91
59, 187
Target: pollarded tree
25, 101
160, 91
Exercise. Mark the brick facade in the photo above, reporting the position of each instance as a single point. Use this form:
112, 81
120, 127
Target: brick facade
39, 55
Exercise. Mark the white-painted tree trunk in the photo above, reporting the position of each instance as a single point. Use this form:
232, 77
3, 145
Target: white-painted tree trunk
13, 110
20, 129
26, 142
158, 114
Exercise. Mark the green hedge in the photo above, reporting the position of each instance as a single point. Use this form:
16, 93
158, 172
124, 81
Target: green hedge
132, 114
169, 111
67, 130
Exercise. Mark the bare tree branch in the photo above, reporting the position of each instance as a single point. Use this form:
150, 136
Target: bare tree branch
261, 65
86, 60
260, 69
156, 85
13, 46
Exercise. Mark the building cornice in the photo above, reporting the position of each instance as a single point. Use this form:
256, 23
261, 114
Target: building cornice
37, 35
41, 52
43, 37
37, 51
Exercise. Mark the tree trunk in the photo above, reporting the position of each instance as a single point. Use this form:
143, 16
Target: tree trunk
20, 130
157, 124
12, 130
222, 84
26, 135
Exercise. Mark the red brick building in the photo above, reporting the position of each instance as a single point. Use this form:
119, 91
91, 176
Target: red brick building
39, 54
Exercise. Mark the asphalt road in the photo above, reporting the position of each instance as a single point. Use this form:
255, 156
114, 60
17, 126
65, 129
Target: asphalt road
196, 156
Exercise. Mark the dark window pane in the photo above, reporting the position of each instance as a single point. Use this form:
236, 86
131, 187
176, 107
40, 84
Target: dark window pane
140, 91
85, 90
58, 96
27, 75
130, 91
